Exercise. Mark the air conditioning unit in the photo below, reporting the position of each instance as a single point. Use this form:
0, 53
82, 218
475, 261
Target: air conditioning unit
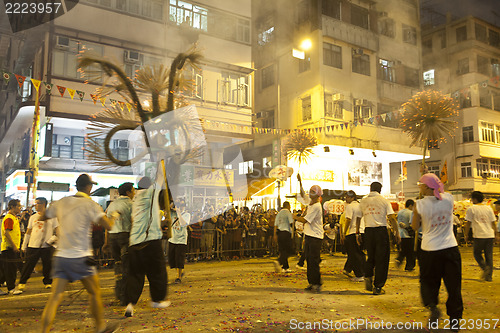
132, 56
382, 14
357, 52
338, 97
123, 144
360, 102
62, 42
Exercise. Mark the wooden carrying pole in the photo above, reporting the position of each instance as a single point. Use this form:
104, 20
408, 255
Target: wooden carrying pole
166, 201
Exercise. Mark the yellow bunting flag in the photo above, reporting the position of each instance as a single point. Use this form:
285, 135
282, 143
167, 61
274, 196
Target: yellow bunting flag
36, 84
103, 101
129, 106
71, 92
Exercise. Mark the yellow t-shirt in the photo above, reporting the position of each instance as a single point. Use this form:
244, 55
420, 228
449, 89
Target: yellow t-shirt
12, 223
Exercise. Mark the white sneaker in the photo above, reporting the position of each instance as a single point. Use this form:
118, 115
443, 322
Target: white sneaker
48, 286
15, 292
288, 270
21, 286
357, 279
300, 267
161, 305
277, 266
129, 310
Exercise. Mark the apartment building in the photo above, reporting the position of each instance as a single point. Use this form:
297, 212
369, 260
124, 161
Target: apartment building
363, 63
133, 34
461, 58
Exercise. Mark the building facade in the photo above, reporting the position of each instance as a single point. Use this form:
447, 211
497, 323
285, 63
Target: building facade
132, 34
364, 62
461, 58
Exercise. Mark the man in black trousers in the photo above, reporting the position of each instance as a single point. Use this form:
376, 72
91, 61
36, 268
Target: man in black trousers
376, 210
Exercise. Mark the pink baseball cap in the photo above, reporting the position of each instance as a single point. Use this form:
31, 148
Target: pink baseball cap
316, 190
433, 182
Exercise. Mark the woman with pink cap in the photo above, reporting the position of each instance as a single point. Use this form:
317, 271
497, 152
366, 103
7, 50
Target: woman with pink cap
440, 258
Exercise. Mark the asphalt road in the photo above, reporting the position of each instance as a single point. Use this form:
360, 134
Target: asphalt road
247, 296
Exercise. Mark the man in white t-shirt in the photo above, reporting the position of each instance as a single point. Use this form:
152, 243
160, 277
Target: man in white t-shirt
376, 210
355, 256
482, 219
177, 246
38, 241
75, 215
439, 257
313, 231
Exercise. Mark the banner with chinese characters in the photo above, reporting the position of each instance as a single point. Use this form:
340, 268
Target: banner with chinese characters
212, 177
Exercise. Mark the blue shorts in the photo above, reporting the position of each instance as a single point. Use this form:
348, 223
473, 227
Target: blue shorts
71, 269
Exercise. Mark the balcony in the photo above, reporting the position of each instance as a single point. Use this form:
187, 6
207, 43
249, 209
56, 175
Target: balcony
350, 33
394, 92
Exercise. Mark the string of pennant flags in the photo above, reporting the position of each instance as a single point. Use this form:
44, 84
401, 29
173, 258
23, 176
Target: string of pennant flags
342, 125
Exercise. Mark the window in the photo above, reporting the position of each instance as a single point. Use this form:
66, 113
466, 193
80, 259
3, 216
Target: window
64, 59
77, 144
243, 34
306, 109
442, 37
494, 38
386, 70
266, 36
359, 16
487, 132
480, 33
495, 67
265, 119
485, 98
144, 60
482, 167
195, 77
494, 168
331, 8
466, 169
429, 78
386, 27
435, 170
461, 34
464, 99
360, 62
483, 65
427, 45
181, 12
385, 111
305, 64
332, 55
361, 109
68, 147
411, 77
463, 66
245, 167
235, 88
333, 107
409, 34
267, 78
303, 9
467, 134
